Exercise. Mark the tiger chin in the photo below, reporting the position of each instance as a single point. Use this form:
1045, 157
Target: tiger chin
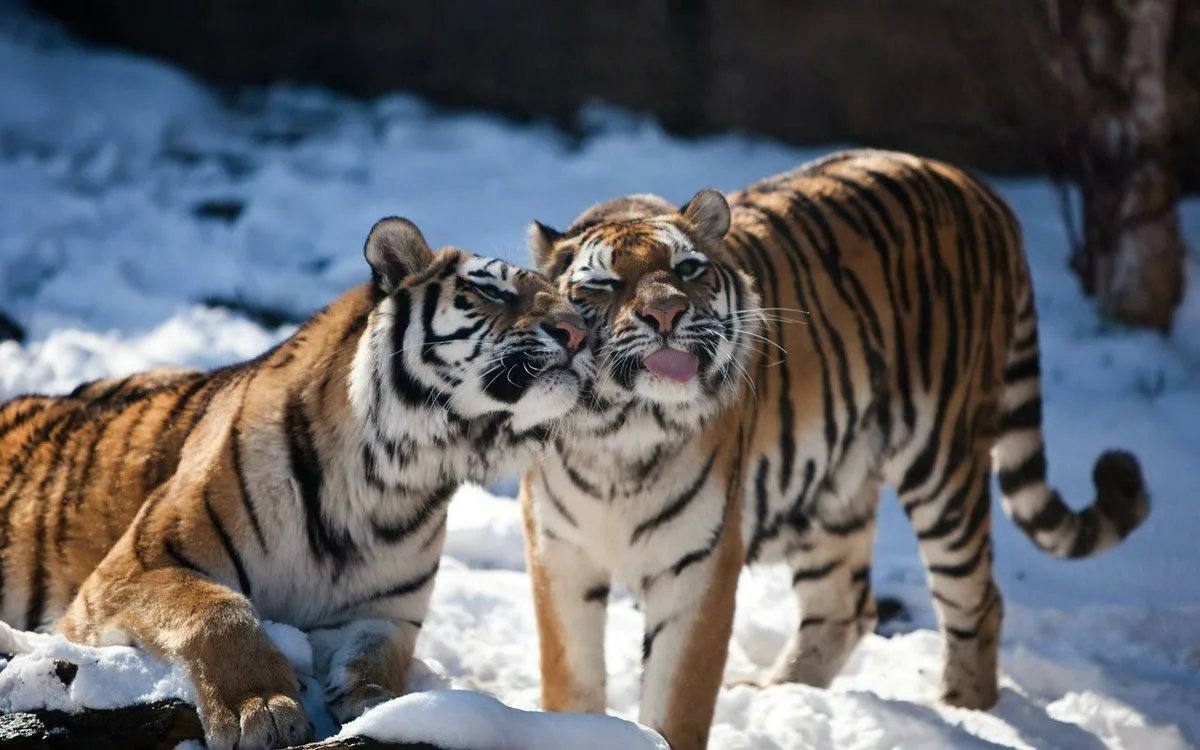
889, 337
175, 509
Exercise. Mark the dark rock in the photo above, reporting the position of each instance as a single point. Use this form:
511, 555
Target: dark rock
891, 611
65, 671
225, 210
151, 726
268, 317
10, 330
148, 726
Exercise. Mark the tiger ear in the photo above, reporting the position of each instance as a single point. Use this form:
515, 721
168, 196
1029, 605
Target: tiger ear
708, 213
541, 239
395, 250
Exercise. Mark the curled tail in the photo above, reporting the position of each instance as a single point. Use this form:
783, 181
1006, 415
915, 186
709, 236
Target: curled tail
1019, 458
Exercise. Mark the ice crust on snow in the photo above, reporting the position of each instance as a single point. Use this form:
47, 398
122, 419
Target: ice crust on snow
109, 258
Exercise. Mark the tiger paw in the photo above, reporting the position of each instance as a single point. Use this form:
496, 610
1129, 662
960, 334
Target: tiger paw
347, 704
978, 697
256, 722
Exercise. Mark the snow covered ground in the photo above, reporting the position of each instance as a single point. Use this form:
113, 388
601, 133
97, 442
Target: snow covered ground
137, 206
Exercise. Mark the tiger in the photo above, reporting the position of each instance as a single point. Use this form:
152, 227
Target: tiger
175, 509
767, 363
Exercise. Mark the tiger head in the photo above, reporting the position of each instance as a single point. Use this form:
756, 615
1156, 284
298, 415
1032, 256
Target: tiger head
671, 313
474, 336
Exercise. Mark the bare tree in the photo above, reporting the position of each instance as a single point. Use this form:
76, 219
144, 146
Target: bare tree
1114, 61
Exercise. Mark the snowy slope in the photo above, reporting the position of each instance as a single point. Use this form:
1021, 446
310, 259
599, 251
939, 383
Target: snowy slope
130, 195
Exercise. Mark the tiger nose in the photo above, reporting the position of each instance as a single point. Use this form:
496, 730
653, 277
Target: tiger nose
569, 335
662, 316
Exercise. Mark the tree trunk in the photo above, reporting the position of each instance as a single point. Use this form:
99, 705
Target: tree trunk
1113, 58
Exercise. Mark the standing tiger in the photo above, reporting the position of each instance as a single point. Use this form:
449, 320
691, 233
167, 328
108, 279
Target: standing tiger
173, 509
730, 428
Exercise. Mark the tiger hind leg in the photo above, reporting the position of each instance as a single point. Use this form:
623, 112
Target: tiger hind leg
831, 578
953, 531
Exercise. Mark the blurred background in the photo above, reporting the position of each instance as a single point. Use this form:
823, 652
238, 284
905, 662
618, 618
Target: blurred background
184, 182
1099, 92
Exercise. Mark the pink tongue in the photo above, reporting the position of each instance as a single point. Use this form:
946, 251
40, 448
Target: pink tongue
672, 364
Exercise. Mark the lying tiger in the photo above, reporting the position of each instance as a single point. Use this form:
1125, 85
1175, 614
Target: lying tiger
728, 430
173, 509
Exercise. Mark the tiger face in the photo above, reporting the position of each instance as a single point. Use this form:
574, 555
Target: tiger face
473, 335
672, 316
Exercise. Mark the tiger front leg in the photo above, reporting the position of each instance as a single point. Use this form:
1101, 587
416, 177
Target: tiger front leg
246, 694
364, 662
569, 597
689, 621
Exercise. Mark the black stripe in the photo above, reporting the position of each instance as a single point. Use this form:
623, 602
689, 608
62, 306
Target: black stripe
1022, 370
404, 385
235, 446
56, 440
404, 588
814, 574
22, 416
884, 250
965, 568
37, 577
1027, 416
1087, 534
1051, 515
77, 486
227, 542
769, 281
1028, 341
182, 560
597, 593
696, 555
980, 512
828, 254
802, 272
862, 577
323, 540
649, 638
577, 479
558, 503
676, 506
371, 468
434, 533
1031, 471
156, 469
126, 444
396, 531
18, 479
761, 508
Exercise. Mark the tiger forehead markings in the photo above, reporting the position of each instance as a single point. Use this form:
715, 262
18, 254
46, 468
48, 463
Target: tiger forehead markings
895, 343
174, 508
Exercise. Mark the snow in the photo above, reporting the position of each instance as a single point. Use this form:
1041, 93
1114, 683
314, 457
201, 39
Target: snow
461, 718
115, 173
107, 677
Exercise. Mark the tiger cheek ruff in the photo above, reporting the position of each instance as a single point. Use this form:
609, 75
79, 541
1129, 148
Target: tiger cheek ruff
174, 508
767, 363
